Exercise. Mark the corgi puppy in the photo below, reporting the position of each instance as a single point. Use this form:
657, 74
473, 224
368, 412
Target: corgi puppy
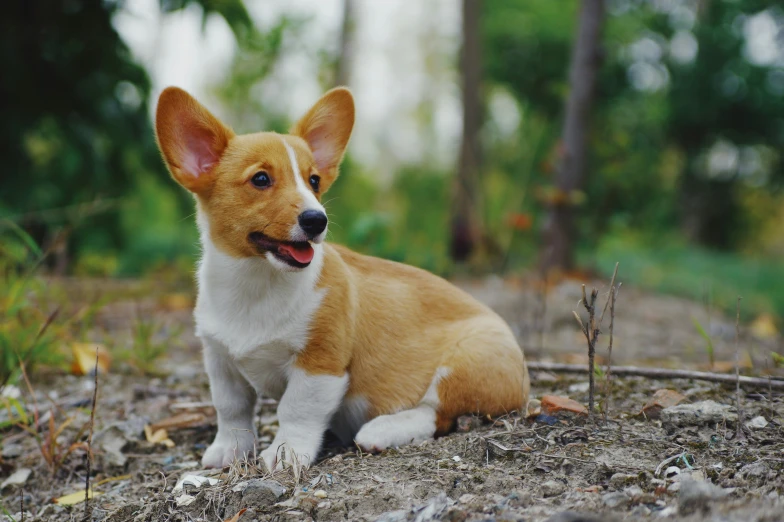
381, 353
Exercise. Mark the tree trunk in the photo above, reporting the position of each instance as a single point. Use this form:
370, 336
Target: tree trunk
465, 225
558, 252
346, 51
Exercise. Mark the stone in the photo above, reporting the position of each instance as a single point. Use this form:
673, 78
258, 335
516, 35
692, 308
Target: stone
660, 400
17, 478
633, 492
260, 492
615, 500
12, 451
757, 423
467, 498
619, 480
696, 495
553, 405
697, 414
553, 488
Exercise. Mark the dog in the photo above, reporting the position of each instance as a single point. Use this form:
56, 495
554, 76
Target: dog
381, 353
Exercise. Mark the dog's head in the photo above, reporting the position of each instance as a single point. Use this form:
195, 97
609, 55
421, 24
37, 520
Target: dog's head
261, 193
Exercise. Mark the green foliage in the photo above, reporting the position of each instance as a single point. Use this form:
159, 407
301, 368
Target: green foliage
28, 327
673, 266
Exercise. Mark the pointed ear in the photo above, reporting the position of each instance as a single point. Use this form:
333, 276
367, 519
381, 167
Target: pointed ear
190, 138
326, 128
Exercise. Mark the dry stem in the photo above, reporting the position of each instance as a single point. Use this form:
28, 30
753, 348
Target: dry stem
608, 376
87, 510
737, 369
663, 373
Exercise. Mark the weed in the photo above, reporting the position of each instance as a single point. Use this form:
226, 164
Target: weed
708, 342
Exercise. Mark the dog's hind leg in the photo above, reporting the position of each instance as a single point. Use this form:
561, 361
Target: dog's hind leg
404, 427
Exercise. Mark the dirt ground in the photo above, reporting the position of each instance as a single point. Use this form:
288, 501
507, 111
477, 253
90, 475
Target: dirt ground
562, 468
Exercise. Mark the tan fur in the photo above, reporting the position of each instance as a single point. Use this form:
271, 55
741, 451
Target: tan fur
390, 326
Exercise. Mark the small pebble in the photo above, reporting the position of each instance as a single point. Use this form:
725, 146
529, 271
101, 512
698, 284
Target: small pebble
553, 488
320, 493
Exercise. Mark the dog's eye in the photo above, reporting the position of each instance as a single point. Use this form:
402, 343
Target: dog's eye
261, 179
314, 182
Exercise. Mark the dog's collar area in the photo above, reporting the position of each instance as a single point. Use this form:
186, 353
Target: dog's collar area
297, 254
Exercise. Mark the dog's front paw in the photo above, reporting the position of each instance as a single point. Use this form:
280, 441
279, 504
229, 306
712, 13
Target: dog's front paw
279, 454
238, 445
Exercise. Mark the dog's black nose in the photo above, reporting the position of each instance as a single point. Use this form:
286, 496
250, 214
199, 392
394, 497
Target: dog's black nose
313, 222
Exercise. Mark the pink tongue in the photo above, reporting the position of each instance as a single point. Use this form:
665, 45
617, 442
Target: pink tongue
302, 254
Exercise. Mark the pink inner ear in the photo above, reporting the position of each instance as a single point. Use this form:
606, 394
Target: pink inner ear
323, 149
199, 155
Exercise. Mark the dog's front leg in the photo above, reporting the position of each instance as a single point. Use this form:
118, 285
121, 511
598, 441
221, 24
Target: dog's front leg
234, 399
304, 413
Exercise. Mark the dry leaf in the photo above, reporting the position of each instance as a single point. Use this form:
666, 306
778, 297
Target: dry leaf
75, 498
236, 517
159, 436
84, 358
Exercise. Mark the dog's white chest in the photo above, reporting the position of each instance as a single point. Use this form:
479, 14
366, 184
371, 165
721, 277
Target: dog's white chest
260, 317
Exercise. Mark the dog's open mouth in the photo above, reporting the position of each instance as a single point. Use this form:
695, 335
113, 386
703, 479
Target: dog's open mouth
298, 254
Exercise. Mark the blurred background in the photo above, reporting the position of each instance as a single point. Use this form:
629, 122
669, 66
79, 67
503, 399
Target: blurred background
493, 137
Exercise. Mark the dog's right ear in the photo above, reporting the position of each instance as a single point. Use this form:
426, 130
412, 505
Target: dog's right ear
190, 138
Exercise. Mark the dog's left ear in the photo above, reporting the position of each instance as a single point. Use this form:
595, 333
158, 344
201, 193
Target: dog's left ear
326, 128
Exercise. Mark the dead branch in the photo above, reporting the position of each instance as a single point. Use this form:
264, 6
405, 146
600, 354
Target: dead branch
737, 370
87, 510
664, 373
608, 375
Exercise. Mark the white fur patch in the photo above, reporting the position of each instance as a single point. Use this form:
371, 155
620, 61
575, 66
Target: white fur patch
253, 320
304, 413
404, 427
309, 200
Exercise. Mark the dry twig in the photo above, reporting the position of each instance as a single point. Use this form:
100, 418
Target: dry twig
608, 375
662, 373
87, 510
737, 369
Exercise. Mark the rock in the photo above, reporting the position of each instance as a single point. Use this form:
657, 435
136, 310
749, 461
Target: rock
633, 492
195, 481
574, 516
695, 495
553, 488
553, 405
11, 451
697, 414
662, 399
261, 492
615, 500
519, 499
620, 480
467, 498
757, 423
17, 478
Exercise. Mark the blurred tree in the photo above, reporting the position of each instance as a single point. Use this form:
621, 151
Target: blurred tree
346, 51
558, 248
75, 134
465, 225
